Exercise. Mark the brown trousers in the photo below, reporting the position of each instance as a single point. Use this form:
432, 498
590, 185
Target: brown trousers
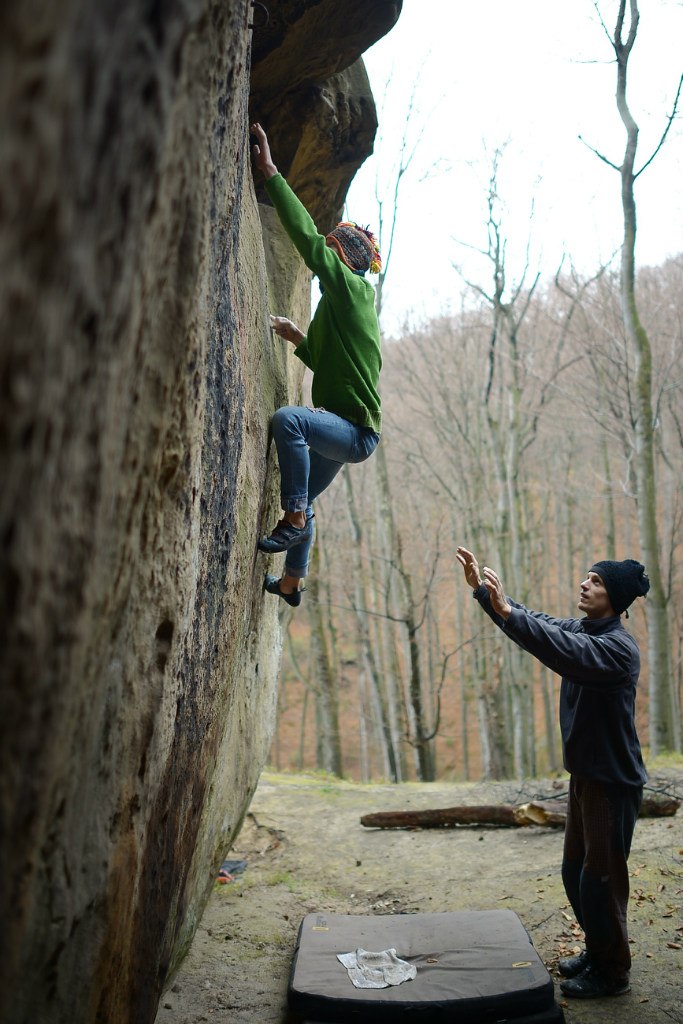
601, 818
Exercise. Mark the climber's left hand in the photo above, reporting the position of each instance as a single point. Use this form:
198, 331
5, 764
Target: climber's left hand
261, 151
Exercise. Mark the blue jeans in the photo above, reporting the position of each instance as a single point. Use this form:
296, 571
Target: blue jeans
312, 446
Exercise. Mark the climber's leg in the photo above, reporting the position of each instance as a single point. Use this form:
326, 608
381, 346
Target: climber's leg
312, 446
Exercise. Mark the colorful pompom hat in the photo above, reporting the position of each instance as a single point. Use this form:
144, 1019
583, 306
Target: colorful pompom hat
357, 247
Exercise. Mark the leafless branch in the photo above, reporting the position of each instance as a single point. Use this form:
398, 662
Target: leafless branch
600, 156
669, 122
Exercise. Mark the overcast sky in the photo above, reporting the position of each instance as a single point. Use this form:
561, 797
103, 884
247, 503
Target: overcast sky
531, 77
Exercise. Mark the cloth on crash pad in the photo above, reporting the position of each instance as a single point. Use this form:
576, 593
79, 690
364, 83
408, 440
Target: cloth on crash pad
376, 970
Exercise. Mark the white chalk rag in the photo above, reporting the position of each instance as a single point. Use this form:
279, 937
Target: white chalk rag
376, 970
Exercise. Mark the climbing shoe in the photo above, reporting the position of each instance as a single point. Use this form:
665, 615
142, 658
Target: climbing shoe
272, 585
570, 966
284, 537
593, 984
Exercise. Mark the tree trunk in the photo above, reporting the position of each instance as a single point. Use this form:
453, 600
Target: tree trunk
420, 738
367, 652
328, 743
665, 731
611, 528
463, 676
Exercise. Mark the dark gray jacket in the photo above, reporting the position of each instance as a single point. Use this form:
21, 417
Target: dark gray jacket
599, 662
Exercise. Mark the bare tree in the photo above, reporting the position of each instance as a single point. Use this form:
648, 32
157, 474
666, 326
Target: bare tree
328, 739
519, 380
665, 726
383, 694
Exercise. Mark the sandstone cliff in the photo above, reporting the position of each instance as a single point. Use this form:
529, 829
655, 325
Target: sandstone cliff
138, 376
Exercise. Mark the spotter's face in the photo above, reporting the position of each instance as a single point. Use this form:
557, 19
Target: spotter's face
594, 601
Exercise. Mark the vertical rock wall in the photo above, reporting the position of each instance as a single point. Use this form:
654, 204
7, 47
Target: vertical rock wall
137, 379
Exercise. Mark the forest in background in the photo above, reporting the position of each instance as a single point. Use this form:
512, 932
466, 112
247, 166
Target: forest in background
541, 426
509, 428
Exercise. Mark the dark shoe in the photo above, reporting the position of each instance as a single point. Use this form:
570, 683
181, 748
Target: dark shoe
570, 966
284, 537
592, 984
272, 585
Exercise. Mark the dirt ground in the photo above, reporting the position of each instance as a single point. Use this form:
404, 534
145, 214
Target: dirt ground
307, 851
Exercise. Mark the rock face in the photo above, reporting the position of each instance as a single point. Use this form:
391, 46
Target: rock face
311, 93
138, 376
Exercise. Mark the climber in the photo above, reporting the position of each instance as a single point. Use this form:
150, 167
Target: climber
342, 348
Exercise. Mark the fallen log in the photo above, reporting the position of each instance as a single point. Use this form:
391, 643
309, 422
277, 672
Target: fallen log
550, 813
506, 815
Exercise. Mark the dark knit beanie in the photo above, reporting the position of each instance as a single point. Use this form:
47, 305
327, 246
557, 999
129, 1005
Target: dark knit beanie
624, 581
356, 246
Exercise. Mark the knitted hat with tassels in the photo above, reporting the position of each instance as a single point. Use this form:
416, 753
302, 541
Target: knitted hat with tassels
357, 247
